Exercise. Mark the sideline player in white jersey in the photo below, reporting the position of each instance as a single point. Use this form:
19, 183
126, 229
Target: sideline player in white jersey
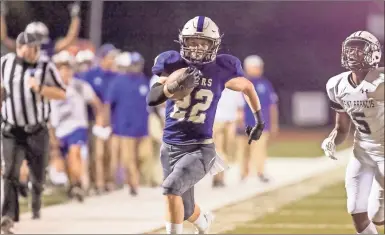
358, 96
70, 123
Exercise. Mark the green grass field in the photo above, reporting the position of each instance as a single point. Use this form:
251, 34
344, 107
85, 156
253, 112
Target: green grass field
321, 213
303, 148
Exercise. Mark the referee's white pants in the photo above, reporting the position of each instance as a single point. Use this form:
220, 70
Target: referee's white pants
364, 182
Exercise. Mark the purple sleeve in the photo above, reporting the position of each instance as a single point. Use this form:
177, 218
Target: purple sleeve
163, 59
232, 65
273, 97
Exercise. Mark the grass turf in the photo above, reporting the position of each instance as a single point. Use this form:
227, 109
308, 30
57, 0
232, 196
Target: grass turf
303, 148
321, 213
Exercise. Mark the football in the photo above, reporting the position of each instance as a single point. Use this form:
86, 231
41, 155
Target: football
180, 94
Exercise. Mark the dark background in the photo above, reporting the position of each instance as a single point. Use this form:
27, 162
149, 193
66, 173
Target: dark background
300, 42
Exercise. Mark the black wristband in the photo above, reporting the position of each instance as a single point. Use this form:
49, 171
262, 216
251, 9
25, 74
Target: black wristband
258, 117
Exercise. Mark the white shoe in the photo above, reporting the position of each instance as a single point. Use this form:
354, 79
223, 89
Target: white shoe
210, 219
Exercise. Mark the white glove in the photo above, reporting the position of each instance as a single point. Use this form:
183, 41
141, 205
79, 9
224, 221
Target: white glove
101, 132
74, 9
329, 147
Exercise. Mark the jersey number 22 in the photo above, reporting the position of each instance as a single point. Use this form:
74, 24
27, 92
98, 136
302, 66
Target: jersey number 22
196, 114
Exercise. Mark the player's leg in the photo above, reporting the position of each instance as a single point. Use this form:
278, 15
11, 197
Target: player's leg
194, 214
85, 181
147, 161
129, 159
114, 158
98, 146
219, 138
76, 141
358, 181
259, 153
183, 166
75, 169
376, 201
230, 140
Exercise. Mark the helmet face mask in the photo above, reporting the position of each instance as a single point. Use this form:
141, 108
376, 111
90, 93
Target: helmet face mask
198, 49
199, 40
360, 53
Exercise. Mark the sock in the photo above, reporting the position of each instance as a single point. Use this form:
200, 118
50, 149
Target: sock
174, 228
371, 229
201, 223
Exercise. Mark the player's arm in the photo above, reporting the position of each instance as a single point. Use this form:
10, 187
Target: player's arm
158, 93
161, 91
341, 129
8, 42
96, 105
73, 30
343, 122
243, 85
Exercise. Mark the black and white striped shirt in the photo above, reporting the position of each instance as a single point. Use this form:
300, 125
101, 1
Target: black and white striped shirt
22, 106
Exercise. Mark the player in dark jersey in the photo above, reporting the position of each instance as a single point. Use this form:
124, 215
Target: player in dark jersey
188, 152
48, 46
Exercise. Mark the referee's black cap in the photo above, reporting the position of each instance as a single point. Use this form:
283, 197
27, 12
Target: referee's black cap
27, 39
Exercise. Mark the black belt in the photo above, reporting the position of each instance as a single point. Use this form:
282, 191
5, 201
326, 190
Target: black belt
29, 129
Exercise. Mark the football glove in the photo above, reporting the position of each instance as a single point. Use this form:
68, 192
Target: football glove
74, 9
255, 132
189, 79
329, 146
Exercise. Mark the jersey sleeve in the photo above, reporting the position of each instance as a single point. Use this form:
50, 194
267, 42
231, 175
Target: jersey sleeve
164, 59
52, 77
88, 92
240, 100
232, 64
331, 90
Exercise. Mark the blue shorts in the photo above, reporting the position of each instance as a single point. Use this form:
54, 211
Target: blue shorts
77, 137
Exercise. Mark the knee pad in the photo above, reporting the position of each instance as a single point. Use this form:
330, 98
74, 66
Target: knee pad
172, 185
355, 206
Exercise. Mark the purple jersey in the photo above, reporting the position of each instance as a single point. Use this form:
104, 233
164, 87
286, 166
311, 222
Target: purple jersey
191, 121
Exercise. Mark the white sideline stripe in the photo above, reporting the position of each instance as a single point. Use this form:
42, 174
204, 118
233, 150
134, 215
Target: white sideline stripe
300, 226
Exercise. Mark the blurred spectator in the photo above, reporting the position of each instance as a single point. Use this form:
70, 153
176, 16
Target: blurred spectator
69, 120
84, 60
127, 94
48, 47
253, 66
99, 77
230, 107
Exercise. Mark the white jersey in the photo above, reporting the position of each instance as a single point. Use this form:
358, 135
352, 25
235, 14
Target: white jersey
228, 105
365, 106
70, 114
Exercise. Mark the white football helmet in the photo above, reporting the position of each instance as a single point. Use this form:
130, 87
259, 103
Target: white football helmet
124, 59
361, 51
39, 29
84, 56
199, 40
63, 57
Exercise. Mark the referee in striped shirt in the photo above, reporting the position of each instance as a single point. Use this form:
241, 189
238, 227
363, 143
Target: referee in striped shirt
28, 82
